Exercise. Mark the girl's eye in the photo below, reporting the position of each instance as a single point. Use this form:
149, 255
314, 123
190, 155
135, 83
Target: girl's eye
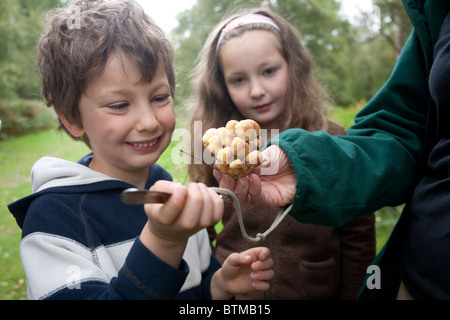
269, 72
238, 81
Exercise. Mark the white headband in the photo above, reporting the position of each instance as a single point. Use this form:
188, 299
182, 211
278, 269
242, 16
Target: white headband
244, 20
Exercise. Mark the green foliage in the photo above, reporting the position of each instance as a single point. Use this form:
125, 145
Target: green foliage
20, 28
20, 116
21, 109
385, 220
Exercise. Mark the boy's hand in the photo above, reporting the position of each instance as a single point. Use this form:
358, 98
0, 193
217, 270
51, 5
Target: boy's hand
242, 273
188, 210
272, 184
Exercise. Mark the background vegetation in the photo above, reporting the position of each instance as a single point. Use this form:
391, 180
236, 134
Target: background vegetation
352, 63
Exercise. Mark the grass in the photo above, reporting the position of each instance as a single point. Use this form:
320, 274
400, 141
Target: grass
17, 157
345, 115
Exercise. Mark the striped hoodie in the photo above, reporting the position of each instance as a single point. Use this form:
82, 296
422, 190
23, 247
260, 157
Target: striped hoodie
79, 241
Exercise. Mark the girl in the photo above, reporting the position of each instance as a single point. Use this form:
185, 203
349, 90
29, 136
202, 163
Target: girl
254, 66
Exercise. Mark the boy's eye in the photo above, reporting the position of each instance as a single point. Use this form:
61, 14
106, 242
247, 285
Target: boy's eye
162, 100
118, 106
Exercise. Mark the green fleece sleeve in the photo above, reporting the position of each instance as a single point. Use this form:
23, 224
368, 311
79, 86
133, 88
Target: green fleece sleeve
377, 163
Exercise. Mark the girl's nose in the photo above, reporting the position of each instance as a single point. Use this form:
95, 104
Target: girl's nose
257, 90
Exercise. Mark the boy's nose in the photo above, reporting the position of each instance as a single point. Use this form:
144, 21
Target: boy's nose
146, 119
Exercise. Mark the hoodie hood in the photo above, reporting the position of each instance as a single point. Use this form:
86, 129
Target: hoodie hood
50, 175
52, 172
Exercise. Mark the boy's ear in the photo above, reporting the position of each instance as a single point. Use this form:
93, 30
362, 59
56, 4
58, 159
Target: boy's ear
74, 129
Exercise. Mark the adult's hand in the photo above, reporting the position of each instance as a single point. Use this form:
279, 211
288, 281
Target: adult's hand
272, 184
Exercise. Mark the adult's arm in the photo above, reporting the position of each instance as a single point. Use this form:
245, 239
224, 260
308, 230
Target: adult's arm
377, 163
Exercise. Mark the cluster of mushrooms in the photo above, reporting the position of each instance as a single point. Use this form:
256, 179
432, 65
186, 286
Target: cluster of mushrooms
236, 147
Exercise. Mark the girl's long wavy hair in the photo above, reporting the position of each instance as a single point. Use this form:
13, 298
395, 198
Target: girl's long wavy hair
211, 104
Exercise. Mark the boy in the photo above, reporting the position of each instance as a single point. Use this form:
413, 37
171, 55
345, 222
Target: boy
111, 81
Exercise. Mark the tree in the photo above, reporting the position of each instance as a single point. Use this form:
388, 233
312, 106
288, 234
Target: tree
376, 51
21, 23
395, 25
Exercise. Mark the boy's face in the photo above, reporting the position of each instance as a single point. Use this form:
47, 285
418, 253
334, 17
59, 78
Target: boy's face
129, 124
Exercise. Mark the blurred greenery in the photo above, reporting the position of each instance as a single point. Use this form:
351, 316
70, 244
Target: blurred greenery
21, 23
21, 107
23, 116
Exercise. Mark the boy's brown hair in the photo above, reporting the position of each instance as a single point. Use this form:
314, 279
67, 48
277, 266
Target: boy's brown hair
81, 38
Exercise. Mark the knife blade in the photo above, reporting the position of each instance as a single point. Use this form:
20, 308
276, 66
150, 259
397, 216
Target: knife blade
141, 196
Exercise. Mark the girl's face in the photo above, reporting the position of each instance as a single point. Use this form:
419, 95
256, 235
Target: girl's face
129, 124
256, 76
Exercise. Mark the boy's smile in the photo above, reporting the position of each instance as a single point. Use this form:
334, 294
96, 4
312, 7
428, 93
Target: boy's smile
143, 146
129, 123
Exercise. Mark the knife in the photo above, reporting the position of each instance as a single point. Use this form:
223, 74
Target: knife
141, 196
